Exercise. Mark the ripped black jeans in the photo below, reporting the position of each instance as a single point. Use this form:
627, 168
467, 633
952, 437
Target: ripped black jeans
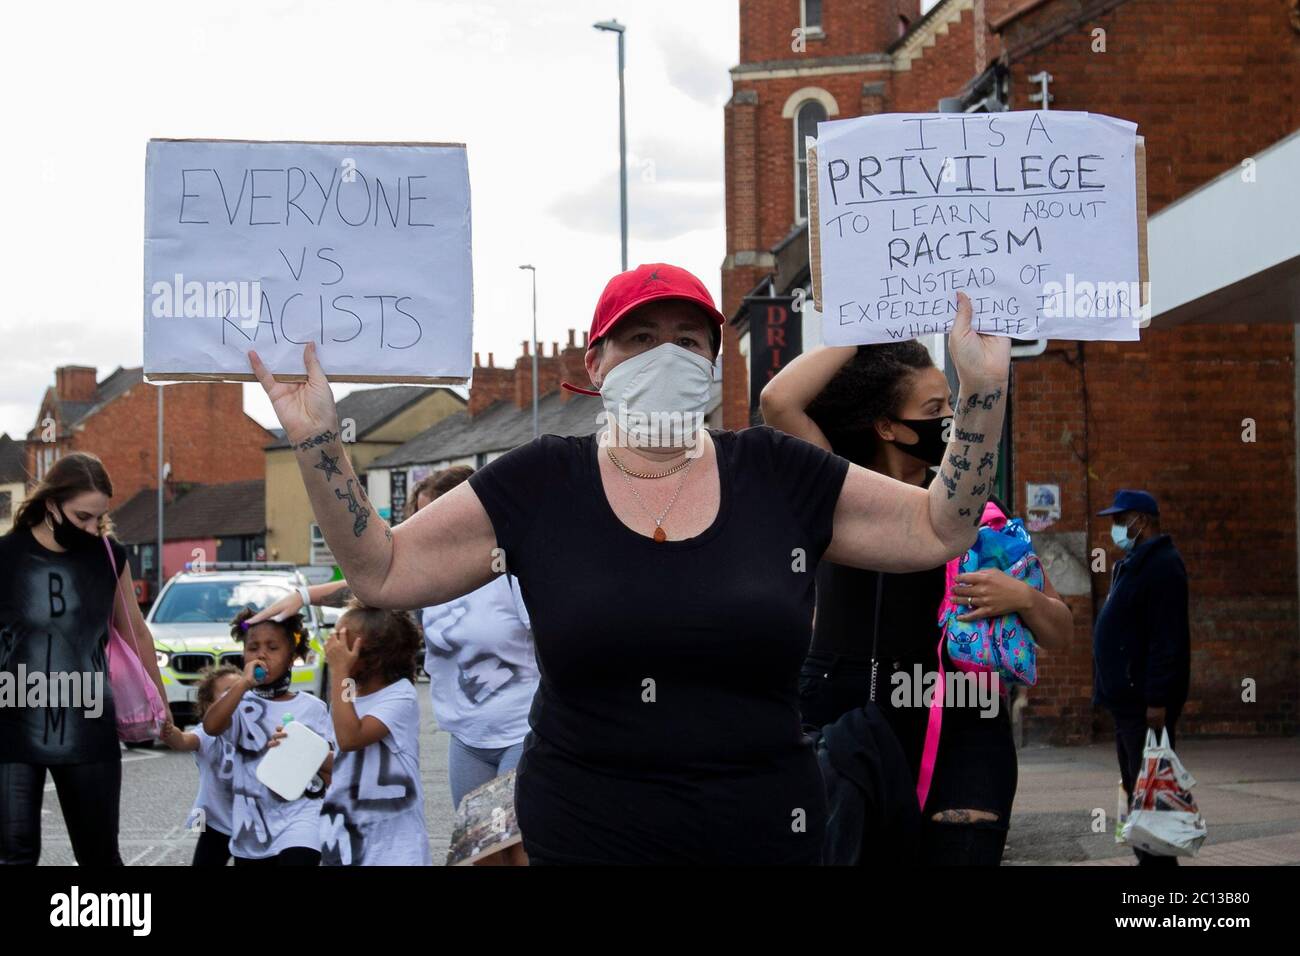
976, 769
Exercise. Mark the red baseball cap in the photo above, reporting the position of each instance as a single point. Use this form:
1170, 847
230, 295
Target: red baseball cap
636, 287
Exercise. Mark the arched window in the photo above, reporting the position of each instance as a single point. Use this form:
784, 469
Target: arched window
806, 118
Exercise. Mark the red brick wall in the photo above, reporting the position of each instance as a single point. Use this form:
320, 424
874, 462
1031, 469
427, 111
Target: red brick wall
490, 384
850, 28
207, 437
1208, 84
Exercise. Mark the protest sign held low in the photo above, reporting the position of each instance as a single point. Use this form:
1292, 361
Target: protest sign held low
362, 248
1038, 216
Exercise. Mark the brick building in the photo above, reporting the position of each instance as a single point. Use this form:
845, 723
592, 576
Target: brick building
1209, 84
207, 437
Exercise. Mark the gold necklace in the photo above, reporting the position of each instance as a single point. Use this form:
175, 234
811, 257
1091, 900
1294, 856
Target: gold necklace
660, 534
636, 474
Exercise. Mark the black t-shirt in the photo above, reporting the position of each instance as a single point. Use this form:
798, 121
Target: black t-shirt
54, 614
666, 727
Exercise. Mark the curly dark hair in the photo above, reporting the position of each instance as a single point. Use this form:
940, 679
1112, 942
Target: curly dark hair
206, 695
390, 641
295, 630
871, 385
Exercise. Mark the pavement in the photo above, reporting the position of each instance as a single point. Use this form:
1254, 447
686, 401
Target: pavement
1248, 790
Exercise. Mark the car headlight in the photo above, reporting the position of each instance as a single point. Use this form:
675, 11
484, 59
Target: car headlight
163, 658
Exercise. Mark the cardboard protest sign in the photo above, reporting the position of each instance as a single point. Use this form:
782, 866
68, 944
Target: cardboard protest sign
485, 822
1038, 216
363, 248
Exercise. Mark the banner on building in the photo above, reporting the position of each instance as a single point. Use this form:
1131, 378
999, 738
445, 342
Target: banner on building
362, 248
396, 496
775, 338
1038, 216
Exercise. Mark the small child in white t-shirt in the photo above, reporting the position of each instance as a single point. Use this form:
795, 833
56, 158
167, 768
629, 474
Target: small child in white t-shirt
374, 810
214, 756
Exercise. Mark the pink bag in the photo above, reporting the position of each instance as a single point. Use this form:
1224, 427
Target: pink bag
140, 710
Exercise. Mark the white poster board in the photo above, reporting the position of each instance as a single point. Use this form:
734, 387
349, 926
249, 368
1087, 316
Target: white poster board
363, 248
1034, 215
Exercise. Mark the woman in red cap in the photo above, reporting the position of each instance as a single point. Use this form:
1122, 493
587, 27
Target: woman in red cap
669, 573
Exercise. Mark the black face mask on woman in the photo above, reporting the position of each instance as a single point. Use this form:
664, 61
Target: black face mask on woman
71, 538
931, 443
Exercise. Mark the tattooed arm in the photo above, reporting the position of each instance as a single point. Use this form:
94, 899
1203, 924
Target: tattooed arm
888, 525
443, 551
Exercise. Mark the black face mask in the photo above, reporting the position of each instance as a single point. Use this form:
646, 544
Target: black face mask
71, 538
277, 687
932, 445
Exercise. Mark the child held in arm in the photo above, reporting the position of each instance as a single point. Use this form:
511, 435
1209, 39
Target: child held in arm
265, 828
215, 758
374, 810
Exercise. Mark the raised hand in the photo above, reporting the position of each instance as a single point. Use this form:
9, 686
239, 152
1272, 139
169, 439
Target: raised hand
305, 409
291, 603
980, 360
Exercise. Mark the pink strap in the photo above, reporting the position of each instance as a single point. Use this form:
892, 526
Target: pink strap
135, 646
992, 517
930, 753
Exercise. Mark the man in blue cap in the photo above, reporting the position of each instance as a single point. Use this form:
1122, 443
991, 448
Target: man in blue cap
1141, 642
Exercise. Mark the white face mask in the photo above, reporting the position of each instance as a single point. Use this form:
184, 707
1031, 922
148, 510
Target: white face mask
658, 398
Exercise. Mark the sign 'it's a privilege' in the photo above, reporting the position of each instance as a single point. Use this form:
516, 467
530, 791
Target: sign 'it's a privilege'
1034, 215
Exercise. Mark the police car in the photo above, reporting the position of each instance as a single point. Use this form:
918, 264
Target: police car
190, 624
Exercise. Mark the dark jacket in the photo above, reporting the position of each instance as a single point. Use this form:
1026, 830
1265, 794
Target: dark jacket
1141, 643
872, 817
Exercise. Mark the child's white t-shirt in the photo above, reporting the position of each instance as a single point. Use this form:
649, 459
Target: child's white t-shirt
262, 822
374, 811
215, 759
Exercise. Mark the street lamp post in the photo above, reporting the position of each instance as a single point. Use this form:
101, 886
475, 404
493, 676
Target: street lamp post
613, 26
533, 270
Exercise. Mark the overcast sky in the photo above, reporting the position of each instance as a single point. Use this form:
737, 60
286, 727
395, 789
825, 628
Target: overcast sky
531, 88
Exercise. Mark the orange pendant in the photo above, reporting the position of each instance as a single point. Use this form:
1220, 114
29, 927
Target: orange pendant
659, 535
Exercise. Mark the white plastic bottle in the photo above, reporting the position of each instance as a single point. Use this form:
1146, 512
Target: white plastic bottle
288, 767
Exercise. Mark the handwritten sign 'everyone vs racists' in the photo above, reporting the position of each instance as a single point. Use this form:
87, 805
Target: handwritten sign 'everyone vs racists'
1034, 215
362, 248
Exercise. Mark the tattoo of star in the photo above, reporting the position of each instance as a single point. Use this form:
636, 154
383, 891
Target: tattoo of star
328, 465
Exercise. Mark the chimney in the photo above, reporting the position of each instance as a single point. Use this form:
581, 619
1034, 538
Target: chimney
548, 375
75, 383
573, 366
489, 384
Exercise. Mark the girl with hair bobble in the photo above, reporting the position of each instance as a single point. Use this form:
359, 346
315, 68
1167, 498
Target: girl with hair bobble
265, 828
887, 408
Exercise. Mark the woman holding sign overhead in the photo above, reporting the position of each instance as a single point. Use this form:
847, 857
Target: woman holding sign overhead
886, 407
669, 572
